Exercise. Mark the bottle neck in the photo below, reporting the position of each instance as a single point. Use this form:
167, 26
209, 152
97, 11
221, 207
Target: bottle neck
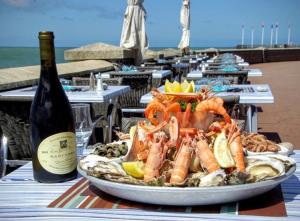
47, 56
47, 52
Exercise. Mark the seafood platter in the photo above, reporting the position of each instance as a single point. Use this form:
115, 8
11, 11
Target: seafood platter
188, 151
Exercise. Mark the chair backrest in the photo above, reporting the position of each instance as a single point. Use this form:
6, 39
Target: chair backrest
140, 83
80, 81
231, 104
14, 122
84, 81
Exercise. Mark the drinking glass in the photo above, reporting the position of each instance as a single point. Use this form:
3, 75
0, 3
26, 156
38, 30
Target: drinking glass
83, 126
3, 154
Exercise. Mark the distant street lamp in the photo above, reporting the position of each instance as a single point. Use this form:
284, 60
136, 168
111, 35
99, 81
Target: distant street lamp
289, 35
243, 35
262, 33
276, 33
252, 36
271, 41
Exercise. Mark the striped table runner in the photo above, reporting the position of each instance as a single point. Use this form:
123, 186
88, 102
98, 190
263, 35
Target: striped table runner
83, 195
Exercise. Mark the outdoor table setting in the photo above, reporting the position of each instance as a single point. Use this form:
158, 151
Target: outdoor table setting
75, 94
158, 75
197, 74
181, 68
221, 174
171, 167
229, 59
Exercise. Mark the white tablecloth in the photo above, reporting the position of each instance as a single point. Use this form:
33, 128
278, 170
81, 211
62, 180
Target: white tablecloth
256, 97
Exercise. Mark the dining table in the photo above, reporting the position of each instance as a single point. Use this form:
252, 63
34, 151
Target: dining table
75, 94
197, 74
23, 198
250, 95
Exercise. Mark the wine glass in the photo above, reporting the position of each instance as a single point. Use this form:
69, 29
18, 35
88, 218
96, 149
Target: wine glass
83, 126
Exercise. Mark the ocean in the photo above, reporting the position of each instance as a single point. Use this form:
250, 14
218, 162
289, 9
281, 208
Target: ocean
26, 56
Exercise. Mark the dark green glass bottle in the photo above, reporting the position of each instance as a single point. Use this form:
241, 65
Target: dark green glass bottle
53, 137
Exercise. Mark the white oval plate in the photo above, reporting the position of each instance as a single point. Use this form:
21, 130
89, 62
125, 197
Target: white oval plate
186, 196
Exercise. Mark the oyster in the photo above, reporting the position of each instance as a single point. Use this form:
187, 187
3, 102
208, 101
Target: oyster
97, 166
288, 162
287, 148
236, 178
123, 179
91, 161
262, 168
194, 179
216, 178
102, 167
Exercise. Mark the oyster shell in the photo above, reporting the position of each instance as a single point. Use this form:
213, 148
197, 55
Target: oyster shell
91, 161
194, 179
236, 178
216, 178
95, 164
263, 168
288, 162
287, 147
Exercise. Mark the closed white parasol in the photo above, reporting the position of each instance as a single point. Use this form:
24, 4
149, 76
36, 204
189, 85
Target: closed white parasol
185, 23
134, 30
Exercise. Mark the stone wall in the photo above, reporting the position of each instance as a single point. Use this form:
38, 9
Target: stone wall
11, 78
262, 55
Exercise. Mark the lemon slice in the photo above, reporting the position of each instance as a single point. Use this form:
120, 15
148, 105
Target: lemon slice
134, 168
189, 89
176, 87
184, 85
222, 151
193, 86
132, 132
168, 86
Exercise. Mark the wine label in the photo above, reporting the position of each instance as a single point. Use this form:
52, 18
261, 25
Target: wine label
57, 153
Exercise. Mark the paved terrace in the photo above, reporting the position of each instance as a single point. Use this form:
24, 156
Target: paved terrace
281, 120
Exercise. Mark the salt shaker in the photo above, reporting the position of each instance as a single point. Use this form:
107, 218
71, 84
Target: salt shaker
99, 82
203, 67
92, 82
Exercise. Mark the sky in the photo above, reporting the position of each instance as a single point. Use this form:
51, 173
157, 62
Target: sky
214, 23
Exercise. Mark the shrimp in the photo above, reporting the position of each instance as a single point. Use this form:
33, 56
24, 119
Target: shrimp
151, 109
214, 105
172, 108
234, 139
206, 156
154, 158
186, 115
182, 162
236, 148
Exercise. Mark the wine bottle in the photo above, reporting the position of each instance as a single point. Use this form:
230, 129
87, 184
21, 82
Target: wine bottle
53, 139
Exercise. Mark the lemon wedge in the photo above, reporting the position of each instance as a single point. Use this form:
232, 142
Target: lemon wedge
193, 86
132, 132
134, 168
168, 86
176, 87
184, 85
222, 151
189, 89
